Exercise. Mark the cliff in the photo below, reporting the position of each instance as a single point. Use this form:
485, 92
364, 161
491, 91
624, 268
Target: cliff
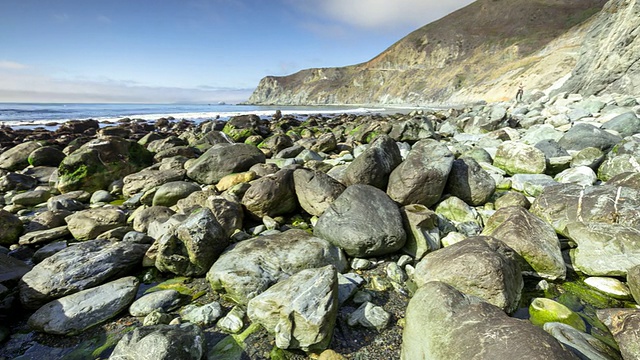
480, 52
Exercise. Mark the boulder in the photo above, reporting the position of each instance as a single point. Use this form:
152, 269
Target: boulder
585, 346
375, 164
17, 157
165, 300
580, 175
421, 227
31, 198
11, 228
205, 315
249, 267
622, 158
422, 176
88, 224
301, 311
480, 266
325, 143
162, 342
77, 312
518, 158
143, 218
413, 129
276, 143
271, 195
12, 269
624, 325
582, 136
315, 190
633, 280
364, 222
194, 246
46, 156
77, 268
625, 124
535, 242
512, 198
232, 180
14, 181
40, 237
169, 193
543, 310
470, 182
148, 179
222, 160
443, 323
99, 162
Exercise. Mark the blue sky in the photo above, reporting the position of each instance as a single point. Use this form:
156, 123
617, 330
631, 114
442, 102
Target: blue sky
190, 50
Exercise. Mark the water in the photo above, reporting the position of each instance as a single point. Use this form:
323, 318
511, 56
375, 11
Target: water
34, 114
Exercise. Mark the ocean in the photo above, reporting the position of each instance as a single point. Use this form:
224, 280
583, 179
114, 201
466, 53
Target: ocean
43, 114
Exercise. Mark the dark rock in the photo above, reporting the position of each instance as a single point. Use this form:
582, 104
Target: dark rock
582, 136
470, 182
626, 124
11, 228
315, 190
222, 160
46, 156
375, 164
271, 195
162, 342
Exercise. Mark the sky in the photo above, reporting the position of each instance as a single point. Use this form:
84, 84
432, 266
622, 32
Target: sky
165, 51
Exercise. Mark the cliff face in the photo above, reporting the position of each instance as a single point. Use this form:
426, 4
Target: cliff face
610, 58
480, 52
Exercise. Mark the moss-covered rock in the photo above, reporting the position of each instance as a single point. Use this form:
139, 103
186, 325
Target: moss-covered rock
544, 310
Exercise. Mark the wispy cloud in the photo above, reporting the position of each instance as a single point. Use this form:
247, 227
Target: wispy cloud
380, 14
11, 65
104, 19
61, 17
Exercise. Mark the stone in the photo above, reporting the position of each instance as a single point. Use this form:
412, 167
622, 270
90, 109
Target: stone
99, 162
145, 217
31, 198
155, 318
543, 310
161, 342
169, 193
325, 143
422, 177
347, 286
88, 224
232, 322
531, 184
16, 158
633, 281
205, 315
363, 221
101, 196
625, 124
271, 195
11, 228
194, 246
626, 179
48, 250
14, 181
443, 323
624, 325
470, 182
12, 269
375, 164
512, 198
44, 236
77, 268
582, 136
315, 190
421, 227
585, 346
480, 266
66, 202
232, 180
148, 179
237, 271
46, 156
590, 156
610, 286
72, 314
581, 175
535, 242
518, 158
457, 211
622, 158
369, 316
165, 300
224, 159
301, 311
47, 220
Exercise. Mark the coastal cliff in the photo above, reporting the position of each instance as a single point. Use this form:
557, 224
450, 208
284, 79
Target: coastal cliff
480, 52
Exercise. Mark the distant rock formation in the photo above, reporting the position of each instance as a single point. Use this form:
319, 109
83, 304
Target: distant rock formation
479, 53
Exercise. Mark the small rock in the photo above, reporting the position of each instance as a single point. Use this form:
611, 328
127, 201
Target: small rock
610, 286
369, 316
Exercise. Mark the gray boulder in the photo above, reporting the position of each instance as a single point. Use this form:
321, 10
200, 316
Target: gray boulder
364, 222
12, 269
585, 346
625, 124
421, 227
633, 281
88, 224
535, 241
148, 179
46, 156
143, 218
45, 236
166, 300
517, 158
375, 164
413, 129
205, 315
162, 342
169, 193
47, 220
422, 177
470, 182
193, 247
75, 313
480, 266
443, 323
11, 228
622, 158
224, 159
31, 198
582, 136
271, 195
15, 181
249, 267
301, 311
624, 325
17, 157
77, 268
325, 143
315, 190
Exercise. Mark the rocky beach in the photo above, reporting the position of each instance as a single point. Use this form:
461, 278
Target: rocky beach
492, 231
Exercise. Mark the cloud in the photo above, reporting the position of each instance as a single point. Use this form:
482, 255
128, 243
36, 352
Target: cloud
11, 65
34, 87
62, 17
384, 14
104, 20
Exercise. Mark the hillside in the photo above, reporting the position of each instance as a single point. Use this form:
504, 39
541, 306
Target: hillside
480, 52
